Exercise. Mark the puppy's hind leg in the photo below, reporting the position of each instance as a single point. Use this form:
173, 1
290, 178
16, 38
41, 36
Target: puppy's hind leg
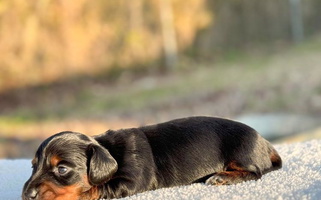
234, 174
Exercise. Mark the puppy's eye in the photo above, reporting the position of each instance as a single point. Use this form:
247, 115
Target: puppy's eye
62, 170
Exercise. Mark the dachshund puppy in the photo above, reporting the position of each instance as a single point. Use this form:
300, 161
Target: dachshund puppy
120, 163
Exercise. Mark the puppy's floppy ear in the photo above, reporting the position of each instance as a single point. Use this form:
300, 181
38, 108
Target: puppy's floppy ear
101, 165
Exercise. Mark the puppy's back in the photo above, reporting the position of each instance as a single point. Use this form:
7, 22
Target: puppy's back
183, 146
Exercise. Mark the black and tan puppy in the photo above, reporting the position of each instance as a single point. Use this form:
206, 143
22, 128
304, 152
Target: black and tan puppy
116, 164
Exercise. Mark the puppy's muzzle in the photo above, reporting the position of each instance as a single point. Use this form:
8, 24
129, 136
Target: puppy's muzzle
30, 194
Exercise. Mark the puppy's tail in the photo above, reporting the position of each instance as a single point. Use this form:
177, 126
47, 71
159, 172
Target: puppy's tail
276, 161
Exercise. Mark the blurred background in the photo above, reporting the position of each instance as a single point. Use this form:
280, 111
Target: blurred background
90, 66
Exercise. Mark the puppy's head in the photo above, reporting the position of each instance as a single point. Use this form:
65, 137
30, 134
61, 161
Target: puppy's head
69, 165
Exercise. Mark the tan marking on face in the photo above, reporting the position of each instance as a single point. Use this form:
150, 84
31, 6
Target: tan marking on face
81, 191
54, 160
50, 191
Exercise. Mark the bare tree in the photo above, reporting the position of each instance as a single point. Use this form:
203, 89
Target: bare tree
168, 33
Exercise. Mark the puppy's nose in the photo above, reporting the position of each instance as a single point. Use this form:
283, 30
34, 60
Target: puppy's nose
31, 194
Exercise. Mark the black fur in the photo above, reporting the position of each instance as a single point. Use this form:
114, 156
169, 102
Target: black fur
179, 152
